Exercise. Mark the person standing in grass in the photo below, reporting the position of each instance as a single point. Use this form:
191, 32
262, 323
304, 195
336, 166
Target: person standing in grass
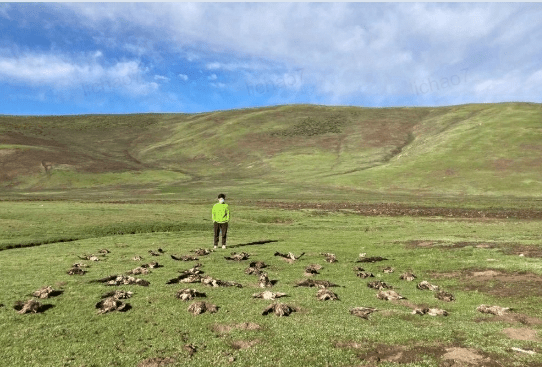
221, 217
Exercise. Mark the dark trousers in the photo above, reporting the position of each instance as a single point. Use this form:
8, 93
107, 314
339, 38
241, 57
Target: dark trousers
224, 228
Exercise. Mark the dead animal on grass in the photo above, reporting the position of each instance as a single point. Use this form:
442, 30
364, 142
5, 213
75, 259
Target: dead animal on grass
123, 280
111, 304
289, 256
152, 265
269, 295
362, 312
76, 271
184, 258
118, 294
330, 258
389, 295
253, 271
188, 294
137, 258
425, 285
185, 278
279, 309
494, 310
264, 281
358, 268
378, 284
207, 280
258, 265
237, 257
312, 269
315, 283
372, 259
197, 308
325, 294
409, 277
365, 274
46, 292
104, 251
79, 265
153, 253
388, 270
429, 311
30, 306
445, 296
202, 252
138, 270
191, 349
89, 257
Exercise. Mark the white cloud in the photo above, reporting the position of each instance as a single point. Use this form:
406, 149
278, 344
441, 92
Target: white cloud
212, 77
161, 77
68, 72
218, 85
183, 77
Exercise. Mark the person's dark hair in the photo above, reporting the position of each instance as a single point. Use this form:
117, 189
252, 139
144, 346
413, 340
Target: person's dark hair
222, 196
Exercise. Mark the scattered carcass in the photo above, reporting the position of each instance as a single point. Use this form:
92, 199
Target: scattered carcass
202, 251
237, 257
279, 309
198, 308
188, 294
325, 294
365, 274
330, 258
494, 310
118, 294
388, 270
123, 280
315, 283
378, 284
425, 285
445, 296
429, 311
409, 277
30, 306
290, 257
269, 295
389, 295
46, 292
362, 312
184, 258
312, 269
111, 304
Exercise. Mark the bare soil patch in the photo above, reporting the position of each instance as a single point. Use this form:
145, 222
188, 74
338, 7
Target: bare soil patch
393, 210
244, 344
521, 334
508, 248
226, 328
156, 362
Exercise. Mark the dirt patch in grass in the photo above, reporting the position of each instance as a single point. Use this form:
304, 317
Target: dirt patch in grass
393, 210
244, 344
454, 356
497, 282
521, 334
508, 248
511, 318
226, 328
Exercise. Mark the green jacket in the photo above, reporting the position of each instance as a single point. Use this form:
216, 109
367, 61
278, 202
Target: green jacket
221, 213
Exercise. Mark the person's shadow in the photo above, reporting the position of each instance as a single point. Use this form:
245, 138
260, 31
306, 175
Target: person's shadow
263, 242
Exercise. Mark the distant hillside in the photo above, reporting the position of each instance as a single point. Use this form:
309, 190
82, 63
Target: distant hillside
483, 149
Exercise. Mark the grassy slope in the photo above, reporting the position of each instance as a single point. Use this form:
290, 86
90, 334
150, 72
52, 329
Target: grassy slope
283, 152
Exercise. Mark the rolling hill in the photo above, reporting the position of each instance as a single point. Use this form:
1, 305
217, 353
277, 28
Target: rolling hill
293, 151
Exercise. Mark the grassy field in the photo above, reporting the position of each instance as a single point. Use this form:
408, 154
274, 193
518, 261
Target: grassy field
450, 252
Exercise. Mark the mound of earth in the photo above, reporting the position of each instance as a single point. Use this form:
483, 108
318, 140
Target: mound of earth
30, 306
243, 344
198, 308
188, 294
223, 329
279, 309
269, 295
362, 312
46, 292
330, 258
123, 280
315, 283
325, 294
111, 304
237, 257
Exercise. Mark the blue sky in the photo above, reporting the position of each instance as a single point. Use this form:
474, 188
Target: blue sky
79, 58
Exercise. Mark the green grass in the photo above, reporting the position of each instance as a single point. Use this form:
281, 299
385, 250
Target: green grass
73, 334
